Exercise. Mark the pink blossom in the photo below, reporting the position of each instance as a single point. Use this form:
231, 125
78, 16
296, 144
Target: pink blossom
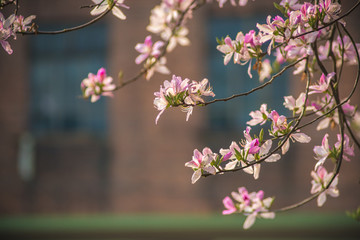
279, 122
308, 11
6, 31
321, 178
332, 10
147, 49
180, 37
231, 155
269, 31
323, 106
229, 49
22, 25
160, 103
348, 109
102, 6
344, 50
323, 83
165, 17
179, 92
323, 51
297, 48
298, 137
251, 145
229, 205
264, 150
258, 117
296, 105
97, 85
252, 39
280, 57
322, 152
253, 205
155, 65
280, 128
349, 150
201, 161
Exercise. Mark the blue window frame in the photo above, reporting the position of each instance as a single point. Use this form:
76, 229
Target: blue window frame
232, 79
58, 65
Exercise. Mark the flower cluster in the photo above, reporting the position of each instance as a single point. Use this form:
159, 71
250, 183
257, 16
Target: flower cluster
104, 5
97, 85
11, 25
250, 151
252, 205
243, 49
279, 125
247, 155
165, 19
293, 33
184, 93
343, 49
22, 24
324, 151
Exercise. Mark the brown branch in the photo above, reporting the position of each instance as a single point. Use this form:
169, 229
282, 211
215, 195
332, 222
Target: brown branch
70, 29
6, 3
248, 92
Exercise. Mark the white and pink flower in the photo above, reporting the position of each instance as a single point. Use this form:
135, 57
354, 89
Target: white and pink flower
201, 162
320, 182
102, 6
184, 93
258, 116
148, 49
97, 85
253, 205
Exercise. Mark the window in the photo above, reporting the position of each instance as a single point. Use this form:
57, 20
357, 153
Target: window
58, 64
64, 158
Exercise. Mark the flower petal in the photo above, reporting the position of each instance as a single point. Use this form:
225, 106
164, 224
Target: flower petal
196, 176
250, 220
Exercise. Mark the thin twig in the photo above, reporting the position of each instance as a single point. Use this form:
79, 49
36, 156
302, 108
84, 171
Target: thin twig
6, 3
73, 28
248, 92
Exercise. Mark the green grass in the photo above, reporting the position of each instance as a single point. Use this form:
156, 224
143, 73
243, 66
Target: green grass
171, 222
154, 226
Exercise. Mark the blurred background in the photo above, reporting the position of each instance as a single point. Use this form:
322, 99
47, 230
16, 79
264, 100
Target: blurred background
71, 169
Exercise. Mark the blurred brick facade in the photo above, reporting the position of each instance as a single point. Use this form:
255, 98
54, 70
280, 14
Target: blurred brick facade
140, 166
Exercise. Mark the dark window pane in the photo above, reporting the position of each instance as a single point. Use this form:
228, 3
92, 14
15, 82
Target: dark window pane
59, 63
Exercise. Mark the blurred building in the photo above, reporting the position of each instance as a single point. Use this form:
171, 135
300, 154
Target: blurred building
62, 154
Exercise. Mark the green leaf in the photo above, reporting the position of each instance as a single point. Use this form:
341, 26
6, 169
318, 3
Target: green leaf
220, 41
261, 135
355, 215
280, 8
238, 155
